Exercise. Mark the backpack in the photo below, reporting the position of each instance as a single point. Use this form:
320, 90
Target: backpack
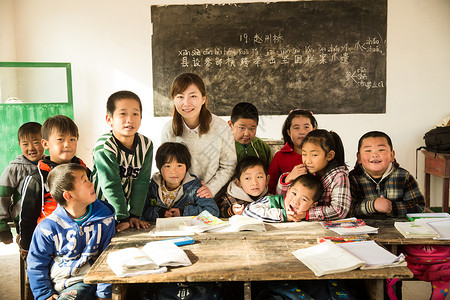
437, 140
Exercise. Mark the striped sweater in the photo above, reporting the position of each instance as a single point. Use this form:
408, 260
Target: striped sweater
122, 176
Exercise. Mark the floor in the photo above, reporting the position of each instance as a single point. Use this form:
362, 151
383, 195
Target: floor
9, 278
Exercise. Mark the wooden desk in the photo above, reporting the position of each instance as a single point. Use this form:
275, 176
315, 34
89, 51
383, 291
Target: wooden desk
438, 165
252, 257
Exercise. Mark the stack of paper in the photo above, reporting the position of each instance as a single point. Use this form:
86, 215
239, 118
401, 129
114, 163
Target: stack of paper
350, 226
329, 258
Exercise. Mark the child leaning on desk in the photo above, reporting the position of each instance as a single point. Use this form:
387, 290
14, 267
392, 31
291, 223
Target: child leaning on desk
173, 191
66, 244
123, 160
380, 187
323, 155
249, 185
303, 193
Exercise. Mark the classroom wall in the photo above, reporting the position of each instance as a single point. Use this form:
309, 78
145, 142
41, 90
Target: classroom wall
108, 43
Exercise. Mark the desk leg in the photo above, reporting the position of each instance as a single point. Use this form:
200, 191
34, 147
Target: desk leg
247, 290
375, 288
427, 190
445, 195
119, 291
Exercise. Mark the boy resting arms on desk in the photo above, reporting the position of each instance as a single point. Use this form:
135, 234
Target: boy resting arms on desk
249, 185
379, 186
304, 192
66, 243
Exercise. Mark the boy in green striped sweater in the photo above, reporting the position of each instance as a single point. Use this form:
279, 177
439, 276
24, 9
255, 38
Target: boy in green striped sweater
123, 161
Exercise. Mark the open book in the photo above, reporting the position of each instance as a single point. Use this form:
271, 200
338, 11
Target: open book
350, 226
154, 257
329, 258
243, 223
181, 226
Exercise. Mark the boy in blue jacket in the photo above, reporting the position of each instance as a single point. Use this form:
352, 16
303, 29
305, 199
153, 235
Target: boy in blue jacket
173, 191
66, 243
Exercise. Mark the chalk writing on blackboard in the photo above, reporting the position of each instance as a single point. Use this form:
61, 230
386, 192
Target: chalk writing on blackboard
326, 56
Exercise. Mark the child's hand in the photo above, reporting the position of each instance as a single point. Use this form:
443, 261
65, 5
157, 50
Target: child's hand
175, 212
54, 296
238, 208
168, 214
383, 205
204, 192
298, 170
122, 226
295, 217
138, 224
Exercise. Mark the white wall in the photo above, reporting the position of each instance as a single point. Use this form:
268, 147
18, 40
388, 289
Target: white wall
108, 44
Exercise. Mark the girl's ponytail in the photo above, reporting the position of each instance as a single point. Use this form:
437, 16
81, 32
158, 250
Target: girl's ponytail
339, 155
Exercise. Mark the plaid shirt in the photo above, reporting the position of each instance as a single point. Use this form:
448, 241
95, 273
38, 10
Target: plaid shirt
398, 185
335, 200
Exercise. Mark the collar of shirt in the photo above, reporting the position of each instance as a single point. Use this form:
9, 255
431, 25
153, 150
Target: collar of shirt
195, 130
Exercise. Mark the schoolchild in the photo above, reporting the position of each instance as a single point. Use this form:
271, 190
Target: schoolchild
379, 186
59, 138
208, 137
297, 125
244, 122
173, 191
67, 243
123, 160
11, 182
302, 195
323, 155
249, 185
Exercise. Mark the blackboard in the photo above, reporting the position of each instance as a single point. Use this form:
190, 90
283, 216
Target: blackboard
325, 56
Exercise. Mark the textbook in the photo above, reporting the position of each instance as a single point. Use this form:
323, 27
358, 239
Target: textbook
181, 226
243, 223
416, 230
350, 226
132, 262
329, 258
414, 216
153, 258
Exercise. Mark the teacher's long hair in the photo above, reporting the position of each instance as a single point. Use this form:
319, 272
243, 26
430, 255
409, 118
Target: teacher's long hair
179, 85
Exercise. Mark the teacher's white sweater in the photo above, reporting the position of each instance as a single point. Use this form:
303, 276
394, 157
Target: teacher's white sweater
213, 154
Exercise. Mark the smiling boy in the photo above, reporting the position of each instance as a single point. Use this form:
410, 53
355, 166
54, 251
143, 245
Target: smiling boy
123, 161
59, 137
243, 123
304, 192
379, 186
13, 177
249, 185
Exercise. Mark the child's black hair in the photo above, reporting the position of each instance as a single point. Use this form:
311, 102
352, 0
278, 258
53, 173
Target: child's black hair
244, 110
375, 134
169, 151
62, 124
249, 162
28, 129
61, 179
311, 182
288, 122
120, 95
328, 140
